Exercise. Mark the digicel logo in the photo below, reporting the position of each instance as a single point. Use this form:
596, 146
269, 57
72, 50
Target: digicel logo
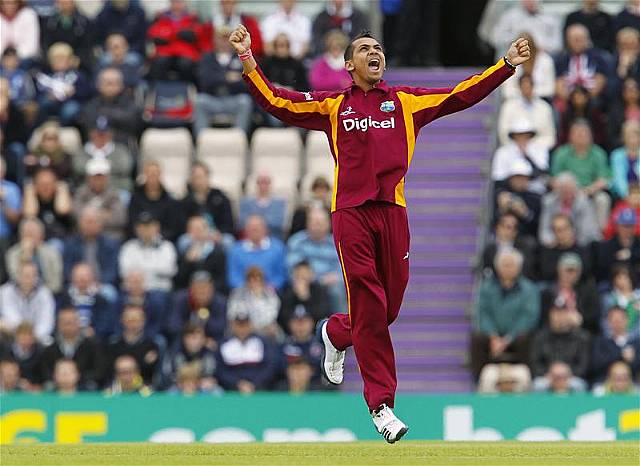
365, 123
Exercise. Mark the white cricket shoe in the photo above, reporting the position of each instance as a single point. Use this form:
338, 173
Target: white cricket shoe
388, 425
332, 363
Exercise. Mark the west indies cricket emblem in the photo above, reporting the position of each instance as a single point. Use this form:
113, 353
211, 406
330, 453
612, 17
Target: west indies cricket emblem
388, 106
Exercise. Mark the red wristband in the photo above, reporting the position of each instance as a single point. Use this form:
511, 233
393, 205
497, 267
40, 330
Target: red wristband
245, 55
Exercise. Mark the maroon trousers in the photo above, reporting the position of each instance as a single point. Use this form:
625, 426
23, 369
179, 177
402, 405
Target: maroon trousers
373, 245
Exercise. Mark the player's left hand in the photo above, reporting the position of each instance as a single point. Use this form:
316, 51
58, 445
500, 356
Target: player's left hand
519, 52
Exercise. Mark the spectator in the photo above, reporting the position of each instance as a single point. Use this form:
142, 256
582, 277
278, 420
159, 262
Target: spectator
338, 15
132, 342
22, 91
504, 378
300, 378
508, 310
10, 207
125, 17
26, 350
527, 17
507, 237
521, 147
619, 381
625, 295
616, 345
208, 202
180, 39
623, 248
283, 68
599, 23
625, 161
625, 107
258, 249
304, 291
192, 350
188, 380
50, 201
327, 72
26, 300
560, 340
222, 90
627, 57
63, 88
580, 65
559, 380
301, 345
532, 108
114, 104
271, 208
155, 303
66, 377
628, 17
632, 201
518, 198
246, 361
151, 196
573, 292
71, 344
320, 198
286, 19
542, 72
13, 134
581, 106
102, 146
229, 18
93, 247
49, 153
118, 55
31, 248
69, 26
199, 250
259, 301
19, 28
96, 193
128, 379
315, 245
150, 253
568, 200
202, 305
9, 376
563, 240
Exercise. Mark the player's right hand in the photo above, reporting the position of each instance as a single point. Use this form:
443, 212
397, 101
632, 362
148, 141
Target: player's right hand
240, 39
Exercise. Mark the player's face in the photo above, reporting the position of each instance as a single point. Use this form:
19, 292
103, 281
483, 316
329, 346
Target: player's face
368, 61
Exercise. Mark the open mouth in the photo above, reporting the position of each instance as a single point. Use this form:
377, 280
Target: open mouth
374, 65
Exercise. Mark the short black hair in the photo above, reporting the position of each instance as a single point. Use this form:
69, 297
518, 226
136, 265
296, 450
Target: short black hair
365, 33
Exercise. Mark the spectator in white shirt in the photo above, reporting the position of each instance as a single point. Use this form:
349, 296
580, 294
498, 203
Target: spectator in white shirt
290, 22
149, 253
19, 28
26, 300
531, 107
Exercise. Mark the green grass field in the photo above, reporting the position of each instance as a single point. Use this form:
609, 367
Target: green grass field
326, 454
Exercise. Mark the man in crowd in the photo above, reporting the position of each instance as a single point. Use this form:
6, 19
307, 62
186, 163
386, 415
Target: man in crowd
506, 236
304, 290
617, 346
623, 248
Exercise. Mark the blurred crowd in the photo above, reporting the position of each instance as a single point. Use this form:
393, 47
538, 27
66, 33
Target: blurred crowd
558, 309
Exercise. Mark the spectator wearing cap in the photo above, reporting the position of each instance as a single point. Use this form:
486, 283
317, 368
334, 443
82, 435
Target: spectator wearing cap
632, 201
507, 311
575, 292
192, 350
517, 198
26, 350
247, 362
116, 105
320, 197
70, 26
300, 343
315, 245
32, 248
521, 147
623, 248
567, 199
125, 17
127, 379
624, 294
27, 300
72, 344
118, 55
258, 249
259, 301
559, 380
532, 108
151, 196
49, 152
506, 236
200, 304
97, 193
625, 161
133, 342
598, 22
150, 253
618, 344
199, 250
101, 145
288, 20
10, 208
271, 208
305, 291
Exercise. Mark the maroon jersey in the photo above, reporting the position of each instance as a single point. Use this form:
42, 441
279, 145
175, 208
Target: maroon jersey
372, 134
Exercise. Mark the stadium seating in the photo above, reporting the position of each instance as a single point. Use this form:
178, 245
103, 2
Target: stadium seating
173, 148
318, 161
69, 139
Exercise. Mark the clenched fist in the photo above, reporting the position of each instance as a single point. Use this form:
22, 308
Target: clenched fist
240, 39
519, 52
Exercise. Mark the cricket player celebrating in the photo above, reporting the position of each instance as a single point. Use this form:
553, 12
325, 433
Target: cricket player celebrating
372, 129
